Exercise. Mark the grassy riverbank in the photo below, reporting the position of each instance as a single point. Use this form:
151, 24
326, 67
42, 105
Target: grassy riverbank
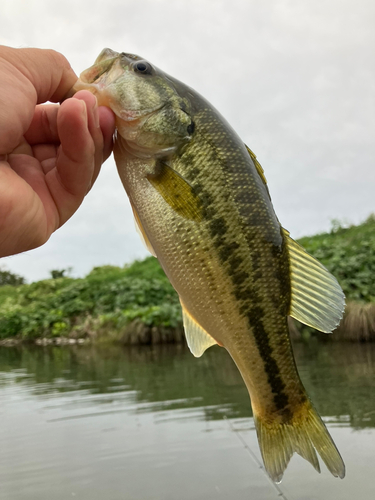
137, 304
101, 305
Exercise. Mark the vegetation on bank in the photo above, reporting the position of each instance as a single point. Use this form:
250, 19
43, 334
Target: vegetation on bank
137, 304
349, 254
106, 301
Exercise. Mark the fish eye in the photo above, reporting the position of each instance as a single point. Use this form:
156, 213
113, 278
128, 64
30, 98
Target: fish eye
143, 67
191, 128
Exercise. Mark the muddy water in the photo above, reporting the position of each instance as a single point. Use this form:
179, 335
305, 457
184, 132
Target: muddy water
156, 423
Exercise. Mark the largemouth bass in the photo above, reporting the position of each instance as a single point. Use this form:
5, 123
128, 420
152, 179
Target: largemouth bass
202, 205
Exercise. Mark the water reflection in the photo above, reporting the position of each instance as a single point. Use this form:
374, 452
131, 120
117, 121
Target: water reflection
339, 378
148, 424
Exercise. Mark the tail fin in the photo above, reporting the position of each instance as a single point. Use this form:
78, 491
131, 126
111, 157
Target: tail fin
304, 434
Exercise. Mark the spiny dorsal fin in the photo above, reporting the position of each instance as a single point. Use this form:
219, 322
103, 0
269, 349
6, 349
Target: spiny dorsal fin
317, 298
176, 191
259, 168
197, 338
141, 232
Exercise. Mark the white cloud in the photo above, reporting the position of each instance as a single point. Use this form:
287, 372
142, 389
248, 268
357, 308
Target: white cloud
295, 79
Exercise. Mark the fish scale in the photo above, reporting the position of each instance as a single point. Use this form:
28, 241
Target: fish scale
225, 157
202, 206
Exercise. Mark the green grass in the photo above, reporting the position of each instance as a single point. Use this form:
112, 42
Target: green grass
109, 298
107, 295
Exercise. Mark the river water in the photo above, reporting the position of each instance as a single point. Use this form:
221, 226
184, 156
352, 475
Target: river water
154, 423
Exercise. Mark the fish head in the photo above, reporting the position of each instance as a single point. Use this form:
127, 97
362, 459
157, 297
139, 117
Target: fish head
153, 117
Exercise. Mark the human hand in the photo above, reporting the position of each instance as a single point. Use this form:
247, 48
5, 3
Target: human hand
50, 155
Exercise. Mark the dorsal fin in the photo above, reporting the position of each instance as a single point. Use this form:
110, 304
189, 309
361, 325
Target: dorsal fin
317, 298
259, 168
197, 338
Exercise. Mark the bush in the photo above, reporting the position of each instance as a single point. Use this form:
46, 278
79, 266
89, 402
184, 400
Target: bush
8, 278
54, 307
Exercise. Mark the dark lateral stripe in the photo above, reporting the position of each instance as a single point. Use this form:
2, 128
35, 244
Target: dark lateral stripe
247, 297
249, 306
262, 340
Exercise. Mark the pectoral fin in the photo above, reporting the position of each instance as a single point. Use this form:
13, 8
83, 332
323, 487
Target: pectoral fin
176, 191
141, 232
317, 298
197, 338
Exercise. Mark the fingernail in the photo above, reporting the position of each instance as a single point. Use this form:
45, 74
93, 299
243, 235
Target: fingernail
95, 113
83, 109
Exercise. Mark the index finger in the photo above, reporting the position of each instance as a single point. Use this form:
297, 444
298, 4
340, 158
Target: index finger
47, 70
29, 77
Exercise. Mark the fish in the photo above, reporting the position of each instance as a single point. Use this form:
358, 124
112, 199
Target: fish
202, 206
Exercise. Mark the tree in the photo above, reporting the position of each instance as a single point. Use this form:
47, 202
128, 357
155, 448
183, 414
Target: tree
60, 273
8, 278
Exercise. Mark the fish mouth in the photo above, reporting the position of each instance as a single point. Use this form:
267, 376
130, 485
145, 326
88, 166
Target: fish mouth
98, 74
101, 79
98, 77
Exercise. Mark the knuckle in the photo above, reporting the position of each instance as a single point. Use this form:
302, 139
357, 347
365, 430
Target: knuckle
58, 59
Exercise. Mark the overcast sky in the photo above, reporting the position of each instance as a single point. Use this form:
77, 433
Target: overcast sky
294, 78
